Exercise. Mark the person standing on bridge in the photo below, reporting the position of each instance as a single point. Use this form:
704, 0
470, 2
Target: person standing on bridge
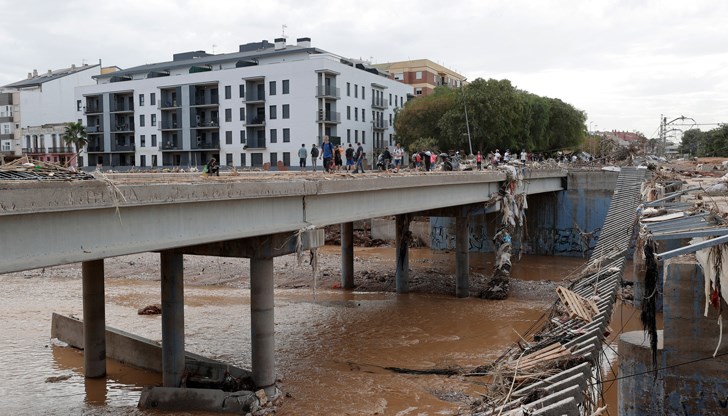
314, 156
302, 155
359, 155
328, 154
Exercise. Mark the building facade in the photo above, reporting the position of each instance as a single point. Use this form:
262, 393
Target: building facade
250, 108
7, 127
422, 74
42, 105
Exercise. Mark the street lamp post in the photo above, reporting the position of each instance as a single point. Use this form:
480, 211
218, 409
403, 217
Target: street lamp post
467, 123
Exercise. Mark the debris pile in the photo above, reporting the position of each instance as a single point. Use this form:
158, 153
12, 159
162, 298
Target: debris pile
25, 169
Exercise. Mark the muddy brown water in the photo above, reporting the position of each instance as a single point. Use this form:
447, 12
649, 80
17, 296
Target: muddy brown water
332, 346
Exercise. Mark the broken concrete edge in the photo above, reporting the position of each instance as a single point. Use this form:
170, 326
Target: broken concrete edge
140, 352
186, 399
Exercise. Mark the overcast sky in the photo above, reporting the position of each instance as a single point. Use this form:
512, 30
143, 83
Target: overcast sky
622, 62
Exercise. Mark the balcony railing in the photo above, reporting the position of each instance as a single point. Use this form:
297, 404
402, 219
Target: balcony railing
380, 103
323, 91
379, 124
94, 148
64, 149
123, 128
122, 108
206, 101
91, 109
33, 150
168, 104
122, 148
170, 125
206, 124
330, 117
171, 146
255, 121
214, 144
94, 129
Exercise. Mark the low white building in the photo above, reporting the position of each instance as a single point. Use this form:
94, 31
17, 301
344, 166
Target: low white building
248, 108
42, 104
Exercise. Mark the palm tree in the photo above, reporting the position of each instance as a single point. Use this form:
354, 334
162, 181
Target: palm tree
75, 135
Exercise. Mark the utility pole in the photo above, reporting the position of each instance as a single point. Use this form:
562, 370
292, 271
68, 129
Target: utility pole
467, 124
663, 137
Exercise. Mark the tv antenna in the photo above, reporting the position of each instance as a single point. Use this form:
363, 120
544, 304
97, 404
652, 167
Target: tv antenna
213, 48
283, 31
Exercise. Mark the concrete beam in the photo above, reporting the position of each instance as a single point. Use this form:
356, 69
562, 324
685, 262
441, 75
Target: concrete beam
462, 259
402, 234
347, 255
94, 319
272, 245
173, 319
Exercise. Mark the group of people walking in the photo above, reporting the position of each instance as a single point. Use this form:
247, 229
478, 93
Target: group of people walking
332, 156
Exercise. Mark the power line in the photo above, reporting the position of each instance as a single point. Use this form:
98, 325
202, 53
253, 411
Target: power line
662, 368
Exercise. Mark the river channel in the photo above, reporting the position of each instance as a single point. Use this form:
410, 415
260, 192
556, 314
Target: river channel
332, 346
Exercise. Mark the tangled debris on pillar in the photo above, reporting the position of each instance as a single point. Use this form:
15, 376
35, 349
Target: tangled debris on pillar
512, 214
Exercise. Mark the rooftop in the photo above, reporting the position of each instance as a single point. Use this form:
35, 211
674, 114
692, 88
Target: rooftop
34, 79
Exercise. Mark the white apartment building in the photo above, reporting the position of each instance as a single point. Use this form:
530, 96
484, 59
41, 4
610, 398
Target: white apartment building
42, 104
247, 108
7, 127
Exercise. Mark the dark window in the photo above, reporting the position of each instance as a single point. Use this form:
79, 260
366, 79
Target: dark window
356, 91
141, 120
286, 135
153, 98
154, 160
242, 159
142, 141
356, 135
348, 135
363, 115
228, 92
286, 159
78, 105
154, 140
242, 136
141, 100
229, 159
286, 111
348, 112
273, 159
286, 86
356, 114
241, 91
363, 92
272, 113
273, 136
142, 160
256, 159
348, 89
272, 88
242, 114
228, 137
228, 115
363, 137
154, 119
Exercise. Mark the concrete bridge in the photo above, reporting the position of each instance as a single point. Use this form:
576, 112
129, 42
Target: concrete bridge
258, 216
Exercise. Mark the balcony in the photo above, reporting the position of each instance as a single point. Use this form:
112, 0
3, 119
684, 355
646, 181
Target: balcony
207, 145
33, 151
123, 148
64, 149
122, 108
95, 129
168, 105
123, 128
330, 117
323, 91
93, 109
95, 148
206, 124
172, 125
168, 145
201, 101
380, 104
380, 124
256, 122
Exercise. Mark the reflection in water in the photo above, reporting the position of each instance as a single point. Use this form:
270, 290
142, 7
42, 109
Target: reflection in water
331, 351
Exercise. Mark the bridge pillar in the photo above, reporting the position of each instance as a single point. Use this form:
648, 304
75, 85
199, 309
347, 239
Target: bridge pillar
462, 261
402, 233
347, 255
94, 318
262, 323
173, 319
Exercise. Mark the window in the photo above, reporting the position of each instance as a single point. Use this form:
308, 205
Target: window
399, 76
273, 158
363, 93
363, 115
273, 136
286, 86
141, 120
229, 159
356, 91
242, 113
242, 136
286, 159
272, 113
356, 114
363, 137
356, 136
390, 119
348, 112
390, 139
286, 111
153, 98
228, 92
348, 135
390, 97
154, 160
141, 100
228, 115
348, 89
154, 119
286, 135
418, 91
401, 101
241, 91
242, 159
272, 88
228, 137
142, 160
142, 141
78, 107
154, 140
418, 75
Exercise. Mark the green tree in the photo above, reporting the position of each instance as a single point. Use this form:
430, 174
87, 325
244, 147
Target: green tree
566, 126
75, 135
419, 118
691, 141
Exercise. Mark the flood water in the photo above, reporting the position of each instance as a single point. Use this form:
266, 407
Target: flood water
332, 346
